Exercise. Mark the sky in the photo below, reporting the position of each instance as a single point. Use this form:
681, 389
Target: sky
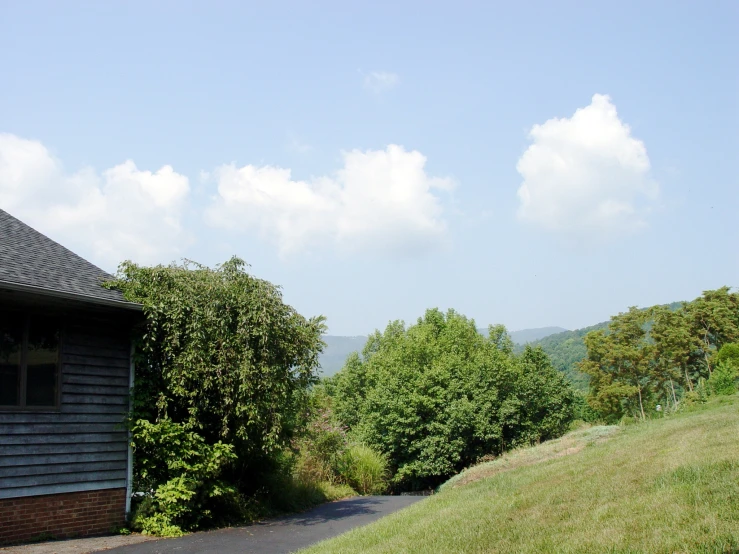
525, 163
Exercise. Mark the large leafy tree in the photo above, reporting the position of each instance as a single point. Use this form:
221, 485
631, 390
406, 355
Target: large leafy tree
674, 348
619, 364
714, 321
437, 395
220, 351
223, 368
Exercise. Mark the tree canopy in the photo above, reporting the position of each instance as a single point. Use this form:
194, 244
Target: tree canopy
436, 396
219, 352
650, 356
223, 368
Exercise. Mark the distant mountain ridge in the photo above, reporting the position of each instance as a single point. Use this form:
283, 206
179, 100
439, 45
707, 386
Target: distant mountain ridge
338, 348
337, 351
525, 336
566, 349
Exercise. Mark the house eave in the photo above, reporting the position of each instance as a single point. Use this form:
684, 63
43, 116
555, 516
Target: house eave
52, 293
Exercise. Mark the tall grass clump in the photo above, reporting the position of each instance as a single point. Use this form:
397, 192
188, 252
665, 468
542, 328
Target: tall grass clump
326, 459
365, 470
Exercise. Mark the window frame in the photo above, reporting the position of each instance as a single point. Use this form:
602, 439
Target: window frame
23, 381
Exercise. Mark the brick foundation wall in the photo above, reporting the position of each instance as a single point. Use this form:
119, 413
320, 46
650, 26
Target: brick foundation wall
61, 516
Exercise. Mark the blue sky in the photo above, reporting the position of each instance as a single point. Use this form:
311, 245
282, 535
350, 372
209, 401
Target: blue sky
523, 163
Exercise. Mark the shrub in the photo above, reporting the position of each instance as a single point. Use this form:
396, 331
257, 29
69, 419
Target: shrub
326, 465
583, 411
365, 470
729, 353
182, 476
302, 480
699, 395
320, 449
723, 379
290, 491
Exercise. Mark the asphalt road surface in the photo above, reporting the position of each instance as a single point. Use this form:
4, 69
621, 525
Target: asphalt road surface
283, 535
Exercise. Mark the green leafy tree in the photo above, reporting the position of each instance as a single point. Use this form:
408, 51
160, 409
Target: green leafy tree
619, 363
729, 355
567, 349
223, 361
723, 379
674, 348
349, 388
498, 335
714, 321
547, 400
436, 396
220, 352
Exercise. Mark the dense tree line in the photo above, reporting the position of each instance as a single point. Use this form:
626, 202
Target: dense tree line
661, 355
567, 349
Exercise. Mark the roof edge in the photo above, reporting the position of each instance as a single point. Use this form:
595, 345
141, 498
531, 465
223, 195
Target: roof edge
9, 285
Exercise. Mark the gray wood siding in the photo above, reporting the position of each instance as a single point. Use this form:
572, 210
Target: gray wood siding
83, 446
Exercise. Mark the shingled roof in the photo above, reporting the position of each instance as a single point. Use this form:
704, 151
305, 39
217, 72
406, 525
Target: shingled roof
32, 262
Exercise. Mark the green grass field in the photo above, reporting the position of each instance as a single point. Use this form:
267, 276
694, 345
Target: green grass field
670, 485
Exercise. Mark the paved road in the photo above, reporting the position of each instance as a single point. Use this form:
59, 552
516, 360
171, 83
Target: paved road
280, 536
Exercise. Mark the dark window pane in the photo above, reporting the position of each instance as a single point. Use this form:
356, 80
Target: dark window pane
42, 362
11, 337
41, 387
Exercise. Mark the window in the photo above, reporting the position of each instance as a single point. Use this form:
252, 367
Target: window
29, 361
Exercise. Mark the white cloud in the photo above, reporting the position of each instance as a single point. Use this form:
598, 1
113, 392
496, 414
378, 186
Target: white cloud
380, 81
586, 174
379, 200
123, 213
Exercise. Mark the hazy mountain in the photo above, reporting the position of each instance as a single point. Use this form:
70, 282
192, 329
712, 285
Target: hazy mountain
338, 348
529, 335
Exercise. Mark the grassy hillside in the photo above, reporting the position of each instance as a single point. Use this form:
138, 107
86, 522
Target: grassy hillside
667, 486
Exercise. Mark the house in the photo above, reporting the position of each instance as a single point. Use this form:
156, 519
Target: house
65, 374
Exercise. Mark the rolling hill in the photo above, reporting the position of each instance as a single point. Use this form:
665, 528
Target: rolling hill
566, 349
